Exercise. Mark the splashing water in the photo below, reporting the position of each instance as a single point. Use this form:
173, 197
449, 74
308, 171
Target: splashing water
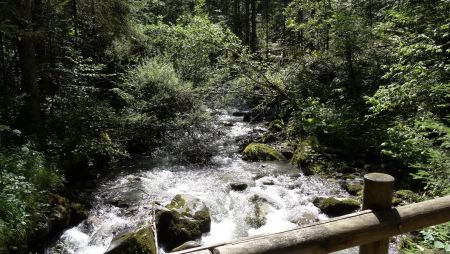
287, 196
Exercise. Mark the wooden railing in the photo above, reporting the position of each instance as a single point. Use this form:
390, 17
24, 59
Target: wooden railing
369, 229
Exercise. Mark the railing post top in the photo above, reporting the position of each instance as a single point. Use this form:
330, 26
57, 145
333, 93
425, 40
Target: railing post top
379, 177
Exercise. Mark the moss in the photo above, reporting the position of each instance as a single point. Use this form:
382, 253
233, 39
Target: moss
276, 126
305, 151
354, 188
403, 197
261, 152
336, 207
177, 202
139, 242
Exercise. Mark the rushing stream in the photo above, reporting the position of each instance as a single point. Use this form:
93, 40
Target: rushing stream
288, 192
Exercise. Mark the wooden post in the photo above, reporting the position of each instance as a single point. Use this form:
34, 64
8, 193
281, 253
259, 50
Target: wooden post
378, 194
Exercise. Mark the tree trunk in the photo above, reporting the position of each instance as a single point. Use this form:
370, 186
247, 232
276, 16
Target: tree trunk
3, 63
237, 26
28, 68
254, 32
267, 14
247, 27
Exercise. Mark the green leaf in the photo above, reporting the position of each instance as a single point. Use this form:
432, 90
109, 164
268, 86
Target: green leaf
439, 245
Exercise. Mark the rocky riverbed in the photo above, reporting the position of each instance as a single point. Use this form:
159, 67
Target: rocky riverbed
229, 199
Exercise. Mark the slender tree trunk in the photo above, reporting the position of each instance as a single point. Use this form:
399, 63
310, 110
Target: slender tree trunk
254, 32
2, 62
237, 26
28, 68
267, 14
247, 26
75, 18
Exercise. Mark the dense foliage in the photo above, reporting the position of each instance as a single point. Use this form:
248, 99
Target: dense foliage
84, 84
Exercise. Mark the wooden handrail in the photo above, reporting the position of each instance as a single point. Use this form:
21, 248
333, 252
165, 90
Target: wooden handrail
340, 233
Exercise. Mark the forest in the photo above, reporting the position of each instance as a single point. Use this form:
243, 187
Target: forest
345, 87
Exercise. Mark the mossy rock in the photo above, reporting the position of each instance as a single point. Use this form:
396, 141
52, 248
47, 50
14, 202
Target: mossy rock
261, 209
60, 214
313, 169
354, 188
185, 219
275, 126
404, 197
261, 152
337, 206
303, 155
140, 242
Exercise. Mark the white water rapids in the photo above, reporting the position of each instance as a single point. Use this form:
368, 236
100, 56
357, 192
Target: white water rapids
288, 192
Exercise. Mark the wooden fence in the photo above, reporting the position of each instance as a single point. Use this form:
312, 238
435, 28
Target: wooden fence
369, 229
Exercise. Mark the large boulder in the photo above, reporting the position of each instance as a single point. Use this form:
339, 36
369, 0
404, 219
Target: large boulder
332, 206
261, 152
185, 219
142, 241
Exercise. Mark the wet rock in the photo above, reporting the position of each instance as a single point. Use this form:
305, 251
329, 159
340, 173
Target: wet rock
332, 206
261, 152
268, 182
60, 214
124, 199
238, 186
240, 113
187, 245
313, 169
141, 241
304, 218
185, 219
262, 208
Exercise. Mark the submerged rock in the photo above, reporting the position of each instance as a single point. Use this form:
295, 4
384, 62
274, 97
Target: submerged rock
262, 208
238, 186
261, 152
185, 219
337, 206
141, 241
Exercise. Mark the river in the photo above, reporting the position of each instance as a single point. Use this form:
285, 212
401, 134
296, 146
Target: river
125, 200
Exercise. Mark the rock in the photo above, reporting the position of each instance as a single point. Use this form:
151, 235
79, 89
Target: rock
187, 245
268, 182
78, 213
240, 113
262, 208
185, 219
275, 126
404, 197
353, 188
337, 206
228, 124
238, 186
261, 152
313, 169
304, 154
140, 242
60, 214
305, 218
